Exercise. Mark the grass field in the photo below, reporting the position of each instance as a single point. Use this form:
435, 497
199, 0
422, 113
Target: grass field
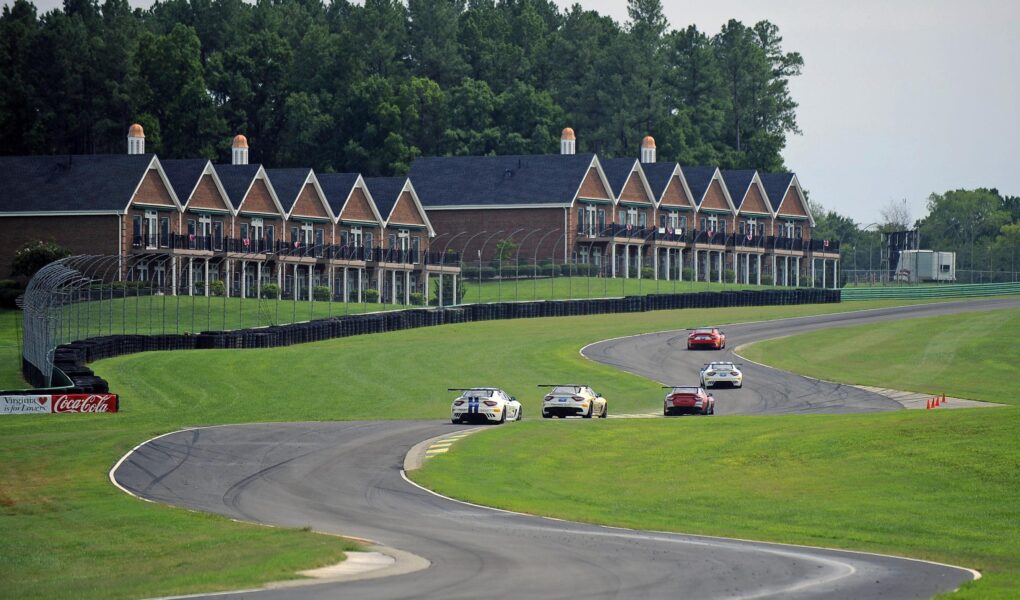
940, 485
66, 532
967, 356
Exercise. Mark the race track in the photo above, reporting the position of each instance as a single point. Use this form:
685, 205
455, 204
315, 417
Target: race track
346, 478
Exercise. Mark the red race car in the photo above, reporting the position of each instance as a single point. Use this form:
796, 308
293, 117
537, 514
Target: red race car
706, 337
690, 400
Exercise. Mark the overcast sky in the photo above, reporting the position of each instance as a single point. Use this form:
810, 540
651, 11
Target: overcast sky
898, 98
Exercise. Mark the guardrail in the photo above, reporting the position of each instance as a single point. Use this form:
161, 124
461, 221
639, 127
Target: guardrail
916, 292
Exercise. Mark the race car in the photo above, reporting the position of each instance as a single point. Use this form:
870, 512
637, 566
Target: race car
690, 400
566, 400
714, 373
485, 405
706, 337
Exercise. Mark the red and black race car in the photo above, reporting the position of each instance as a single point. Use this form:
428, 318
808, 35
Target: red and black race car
687, 400
706, 337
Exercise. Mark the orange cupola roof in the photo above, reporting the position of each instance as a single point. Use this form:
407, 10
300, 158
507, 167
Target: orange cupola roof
568, 134
648, 142
136, 131
240, 141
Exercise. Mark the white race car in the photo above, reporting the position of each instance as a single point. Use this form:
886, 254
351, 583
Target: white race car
488, 405
714, 373
567, 400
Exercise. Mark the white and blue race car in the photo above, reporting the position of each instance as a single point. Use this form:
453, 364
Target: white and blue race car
485, 405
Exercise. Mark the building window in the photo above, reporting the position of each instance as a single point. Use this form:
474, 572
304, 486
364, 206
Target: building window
218, 235
244, 231
136, 231
164, 232
368, 240
270, 236
642, 219
151, 240
343, 238
704, 224
800, 232
294, 239
722, 226
683, 222
602, 219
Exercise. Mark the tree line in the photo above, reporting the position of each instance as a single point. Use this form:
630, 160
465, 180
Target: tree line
367, 87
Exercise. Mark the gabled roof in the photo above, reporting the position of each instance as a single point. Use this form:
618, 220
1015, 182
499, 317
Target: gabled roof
288, 184
659, 175
82, 184
237, 180
698, 180
338, 187
738, 182
776, 185
618, 171
184, 174
498, 181
386, 191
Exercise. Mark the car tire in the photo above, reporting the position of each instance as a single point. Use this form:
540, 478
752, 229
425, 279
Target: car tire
520, 413
455, 421
502, 417
591, 411
711, 410
605, 411
546, 415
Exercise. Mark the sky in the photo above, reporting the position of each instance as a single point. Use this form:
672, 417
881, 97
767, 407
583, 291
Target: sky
898, 98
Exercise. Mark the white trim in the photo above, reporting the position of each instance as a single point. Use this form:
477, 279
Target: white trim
764, 198
602, 177
261, 174
408, 186
155, 164
68, 213
677, 172
502, 206
360, 183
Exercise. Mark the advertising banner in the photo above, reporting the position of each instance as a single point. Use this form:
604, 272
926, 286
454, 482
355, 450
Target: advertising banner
58, 403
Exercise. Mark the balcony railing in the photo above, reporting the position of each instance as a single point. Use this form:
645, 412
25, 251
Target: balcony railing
786, 243
824, 246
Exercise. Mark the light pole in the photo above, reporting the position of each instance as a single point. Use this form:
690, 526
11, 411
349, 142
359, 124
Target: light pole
534, 262
480, 251
517, 261
499, 257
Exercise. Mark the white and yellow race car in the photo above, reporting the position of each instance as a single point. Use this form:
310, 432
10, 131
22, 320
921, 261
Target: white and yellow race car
714, 373
486, 405
573, 400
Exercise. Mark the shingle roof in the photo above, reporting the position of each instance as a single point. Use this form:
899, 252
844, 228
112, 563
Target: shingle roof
776, 185
184, 174
97, 182
337, 187
658, 176
698, 180
738, 182
617, 172
385, 191
496, 180
288, 184
236, 180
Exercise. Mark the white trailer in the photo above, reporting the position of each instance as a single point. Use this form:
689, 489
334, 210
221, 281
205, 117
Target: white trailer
926, 265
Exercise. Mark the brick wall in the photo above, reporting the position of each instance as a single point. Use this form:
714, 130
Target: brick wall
81, 235
452, 222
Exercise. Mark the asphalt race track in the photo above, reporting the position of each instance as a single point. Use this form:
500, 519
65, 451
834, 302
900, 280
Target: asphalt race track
664, 357
345, 478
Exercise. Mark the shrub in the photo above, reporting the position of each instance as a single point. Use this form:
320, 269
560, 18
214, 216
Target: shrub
728, 275
9, 292
688, 273
548, 270
647, 273
271, 291
321, 293
766, 280
35, 255
417, 298
217, 288
370, 295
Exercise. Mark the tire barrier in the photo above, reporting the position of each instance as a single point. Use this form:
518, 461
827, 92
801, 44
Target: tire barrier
71, 359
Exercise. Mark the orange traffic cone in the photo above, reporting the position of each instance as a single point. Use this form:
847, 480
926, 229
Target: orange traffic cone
928, 406
938, 400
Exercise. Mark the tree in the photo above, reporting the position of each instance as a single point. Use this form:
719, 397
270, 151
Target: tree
896, 216
963, 219
35, 255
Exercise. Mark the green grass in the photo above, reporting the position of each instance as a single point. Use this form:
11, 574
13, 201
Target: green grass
10, 350
972, 355
564, 288
940, 485
66, 532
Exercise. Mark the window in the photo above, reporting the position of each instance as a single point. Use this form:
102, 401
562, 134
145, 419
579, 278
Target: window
602, 219
136, 231
356, 236
683, 222
368, 239
742, 226
722, 226
318, 241
392, 241
270, 235
580, 219
294, 239
192, 234
150, 229
415, 247
218, 235
256, 229
800, 232
704, 224
632, 216
244, 231
662, 221
343, 238
643, 219
164, 232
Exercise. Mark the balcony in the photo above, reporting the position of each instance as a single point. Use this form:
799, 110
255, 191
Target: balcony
740, 240
824, 246
787, 243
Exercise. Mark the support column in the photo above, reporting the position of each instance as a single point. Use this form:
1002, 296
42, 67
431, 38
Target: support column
330, 282
796, 272
244, 277
191, 276
758, 274
695, 261
311, 271
407, 288
279, 278
454, 288
226, 287
823, 273
426, 292
775, 281
669, 254
439, 290
835, 274
393, 285
612, 260
736, 268
814, 282
173, 274
655, 263
347, 294
258, 279
359, 285
722, 265
207, 277
626, 261
640, 265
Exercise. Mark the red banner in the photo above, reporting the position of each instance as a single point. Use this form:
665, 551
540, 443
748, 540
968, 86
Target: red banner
59, 403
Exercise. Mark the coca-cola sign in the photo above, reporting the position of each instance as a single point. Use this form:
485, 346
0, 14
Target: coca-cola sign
59, 403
